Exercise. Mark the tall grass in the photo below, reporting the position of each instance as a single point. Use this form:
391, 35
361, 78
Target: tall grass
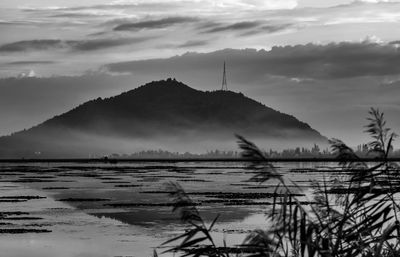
354, 214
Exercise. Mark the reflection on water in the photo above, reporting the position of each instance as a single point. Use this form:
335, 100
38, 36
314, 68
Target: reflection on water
124, 210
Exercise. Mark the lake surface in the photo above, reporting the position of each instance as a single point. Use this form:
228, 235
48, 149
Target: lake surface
96, 210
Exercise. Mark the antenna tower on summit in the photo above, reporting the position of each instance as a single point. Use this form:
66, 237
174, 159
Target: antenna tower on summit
224, 84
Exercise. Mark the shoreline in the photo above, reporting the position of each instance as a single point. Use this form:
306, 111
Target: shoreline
175, 160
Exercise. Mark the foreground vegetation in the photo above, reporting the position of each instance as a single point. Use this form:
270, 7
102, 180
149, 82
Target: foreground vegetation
355, 214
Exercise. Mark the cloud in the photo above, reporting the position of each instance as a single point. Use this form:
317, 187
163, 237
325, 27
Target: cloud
136, 5
193, 43
98, 44
154, 24
275, 28
311, 61
83, 15
76, 45
31, 45
270, 4
224, 24
244, 25
30, 62
173, 4
376, 1
268, 29
396, 42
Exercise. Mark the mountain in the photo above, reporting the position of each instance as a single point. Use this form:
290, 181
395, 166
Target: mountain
162, 114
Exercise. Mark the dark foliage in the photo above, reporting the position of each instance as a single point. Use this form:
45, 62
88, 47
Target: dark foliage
198, 240
361, 221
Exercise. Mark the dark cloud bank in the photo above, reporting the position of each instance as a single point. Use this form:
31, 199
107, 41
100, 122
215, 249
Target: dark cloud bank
76, 45
154, 24
331, 61
235, 26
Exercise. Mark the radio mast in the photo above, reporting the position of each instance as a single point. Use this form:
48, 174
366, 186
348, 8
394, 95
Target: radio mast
224, 84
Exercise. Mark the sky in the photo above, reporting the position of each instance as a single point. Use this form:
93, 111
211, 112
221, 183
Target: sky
67, 37
326, 62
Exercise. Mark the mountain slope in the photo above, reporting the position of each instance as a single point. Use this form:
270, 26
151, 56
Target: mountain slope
159, 114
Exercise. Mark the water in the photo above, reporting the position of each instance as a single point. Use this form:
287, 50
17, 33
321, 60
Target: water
95, 210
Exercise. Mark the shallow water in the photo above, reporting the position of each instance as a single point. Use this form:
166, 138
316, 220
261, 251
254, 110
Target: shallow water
92, 210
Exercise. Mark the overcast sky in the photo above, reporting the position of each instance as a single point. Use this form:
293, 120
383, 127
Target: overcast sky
326, 62
67, 37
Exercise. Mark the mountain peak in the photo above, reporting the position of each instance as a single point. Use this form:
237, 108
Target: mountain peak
165, 82
168, 85
169, 82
